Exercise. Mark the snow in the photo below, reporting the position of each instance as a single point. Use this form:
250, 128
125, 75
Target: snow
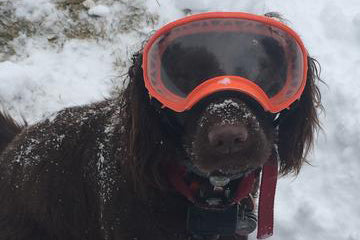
99, 11
30, 9
225, 111
221, 105
51, 78
225, 81
321, 203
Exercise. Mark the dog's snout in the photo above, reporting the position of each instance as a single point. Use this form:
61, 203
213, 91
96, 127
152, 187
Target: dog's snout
227, 139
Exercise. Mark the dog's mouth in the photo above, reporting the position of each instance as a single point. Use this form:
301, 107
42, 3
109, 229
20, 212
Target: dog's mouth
225, 172
231, 166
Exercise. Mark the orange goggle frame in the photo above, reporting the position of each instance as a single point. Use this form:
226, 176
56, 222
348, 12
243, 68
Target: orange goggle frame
293, 84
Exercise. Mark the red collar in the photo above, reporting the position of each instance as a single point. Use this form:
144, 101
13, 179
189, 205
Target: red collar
177, 173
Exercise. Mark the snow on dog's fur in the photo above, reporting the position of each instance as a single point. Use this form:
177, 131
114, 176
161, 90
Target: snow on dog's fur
94, 172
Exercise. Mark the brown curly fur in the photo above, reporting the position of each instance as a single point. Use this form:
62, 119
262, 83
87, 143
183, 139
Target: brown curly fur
94, 172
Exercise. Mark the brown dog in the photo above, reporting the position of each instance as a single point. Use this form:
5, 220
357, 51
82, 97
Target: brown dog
96, 171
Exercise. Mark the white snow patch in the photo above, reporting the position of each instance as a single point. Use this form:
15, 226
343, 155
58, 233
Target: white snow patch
214, 107
54, 78
99, 11
225, 81
34, 10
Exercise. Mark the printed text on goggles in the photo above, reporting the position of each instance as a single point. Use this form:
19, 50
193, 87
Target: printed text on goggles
195, 56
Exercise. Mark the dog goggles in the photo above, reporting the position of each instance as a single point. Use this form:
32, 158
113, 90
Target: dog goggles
196, 56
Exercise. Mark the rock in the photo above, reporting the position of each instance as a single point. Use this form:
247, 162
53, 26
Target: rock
88, 4
99, 11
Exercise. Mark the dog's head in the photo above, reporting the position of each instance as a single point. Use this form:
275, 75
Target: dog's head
226, 133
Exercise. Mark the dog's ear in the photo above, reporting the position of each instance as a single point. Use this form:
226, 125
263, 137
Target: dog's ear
146, 139
297, 129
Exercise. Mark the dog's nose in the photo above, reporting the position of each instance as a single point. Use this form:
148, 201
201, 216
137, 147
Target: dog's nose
227, 139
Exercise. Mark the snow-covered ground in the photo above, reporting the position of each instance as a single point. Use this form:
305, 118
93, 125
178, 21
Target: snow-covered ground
52, 69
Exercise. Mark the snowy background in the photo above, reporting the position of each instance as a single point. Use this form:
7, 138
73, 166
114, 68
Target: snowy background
55, 54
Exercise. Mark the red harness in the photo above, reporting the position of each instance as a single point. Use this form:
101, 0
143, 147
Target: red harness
177, 173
